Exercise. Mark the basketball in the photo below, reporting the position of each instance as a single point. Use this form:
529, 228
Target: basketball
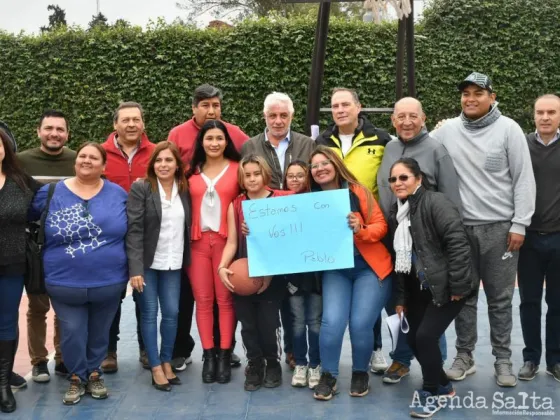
242, 283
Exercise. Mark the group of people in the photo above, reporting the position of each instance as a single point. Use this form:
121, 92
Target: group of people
432, 215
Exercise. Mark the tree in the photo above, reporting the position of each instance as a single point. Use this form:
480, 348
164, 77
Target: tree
98, 21
240, 9
56, 19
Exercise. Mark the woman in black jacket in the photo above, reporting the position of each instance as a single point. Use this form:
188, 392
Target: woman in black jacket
433, 274
157, 243
16, 192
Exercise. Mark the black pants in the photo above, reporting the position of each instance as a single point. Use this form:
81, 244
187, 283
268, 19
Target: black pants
539, 258
115, 331
377, 341
184, 343
260, 324
427, 323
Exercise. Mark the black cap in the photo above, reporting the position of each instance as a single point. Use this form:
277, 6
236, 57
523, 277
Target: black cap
7, 130
477, 79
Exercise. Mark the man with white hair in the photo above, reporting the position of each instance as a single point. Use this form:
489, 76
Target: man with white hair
278, 144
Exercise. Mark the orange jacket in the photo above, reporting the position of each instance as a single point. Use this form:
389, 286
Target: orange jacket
368, 239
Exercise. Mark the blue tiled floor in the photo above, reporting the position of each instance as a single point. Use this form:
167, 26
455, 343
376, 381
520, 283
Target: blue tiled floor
132, 396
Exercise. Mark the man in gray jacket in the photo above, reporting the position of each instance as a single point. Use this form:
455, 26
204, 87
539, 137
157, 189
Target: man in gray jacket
497, 188
278, 144
414, 142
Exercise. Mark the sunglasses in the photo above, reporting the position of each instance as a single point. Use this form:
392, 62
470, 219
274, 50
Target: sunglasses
402, 178
85, 206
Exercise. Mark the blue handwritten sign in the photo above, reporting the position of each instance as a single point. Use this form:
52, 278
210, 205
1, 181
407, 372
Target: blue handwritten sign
299, 233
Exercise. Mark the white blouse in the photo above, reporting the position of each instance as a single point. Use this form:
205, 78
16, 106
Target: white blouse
171, 241
211, 207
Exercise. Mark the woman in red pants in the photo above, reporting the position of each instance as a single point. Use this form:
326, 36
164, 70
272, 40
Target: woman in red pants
213, 186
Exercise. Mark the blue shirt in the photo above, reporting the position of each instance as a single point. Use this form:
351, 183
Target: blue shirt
84, 239
280, 149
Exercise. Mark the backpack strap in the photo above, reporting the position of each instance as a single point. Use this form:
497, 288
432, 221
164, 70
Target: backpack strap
41, 234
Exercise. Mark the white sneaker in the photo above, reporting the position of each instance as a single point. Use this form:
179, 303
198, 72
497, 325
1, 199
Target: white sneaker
299, 378
314, 376
378, 362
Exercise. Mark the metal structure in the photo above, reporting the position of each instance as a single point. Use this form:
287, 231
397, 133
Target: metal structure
405, 38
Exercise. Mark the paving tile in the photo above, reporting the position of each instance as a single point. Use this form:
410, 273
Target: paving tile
132, 396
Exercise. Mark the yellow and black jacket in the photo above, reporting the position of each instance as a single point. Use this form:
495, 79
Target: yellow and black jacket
364, 157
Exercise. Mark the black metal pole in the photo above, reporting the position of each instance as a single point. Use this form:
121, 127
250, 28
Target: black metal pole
400, 59
410, 62
317, 66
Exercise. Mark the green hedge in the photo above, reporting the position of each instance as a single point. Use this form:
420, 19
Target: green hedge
86, 73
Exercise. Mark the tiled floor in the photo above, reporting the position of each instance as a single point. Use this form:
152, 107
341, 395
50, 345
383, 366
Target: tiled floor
132, 396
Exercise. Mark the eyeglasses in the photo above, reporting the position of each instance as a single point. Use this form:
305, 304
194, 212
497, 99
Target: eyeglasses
322, 164
402, 178
299, 177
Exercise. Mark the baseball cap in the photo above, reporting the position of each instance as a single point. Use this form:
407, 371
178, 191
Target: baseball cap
478, 79
7, 130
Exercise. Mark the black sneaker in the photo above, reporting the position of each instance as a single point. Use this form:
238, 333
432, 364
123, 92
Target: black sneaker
254, 375
40, 373
554, 371
528, 371
235, 360
359, 386
60, 369
17, 381
326, 389
273, 374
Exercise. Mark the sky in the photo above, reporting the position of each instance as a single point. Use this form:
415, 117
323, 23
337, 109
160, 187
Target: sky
30, 15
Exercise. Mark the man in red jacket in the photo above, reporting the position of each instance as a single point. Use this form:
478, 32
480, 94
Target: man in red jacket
206, 105
128, 153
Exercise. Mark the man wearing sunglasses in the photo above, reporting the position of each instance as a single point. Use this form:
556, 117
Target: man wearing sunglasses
414, 142
497, 188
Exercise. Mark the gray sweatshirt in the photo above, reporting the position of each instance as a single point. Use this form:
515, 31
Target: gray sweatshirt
493, 163
434, 161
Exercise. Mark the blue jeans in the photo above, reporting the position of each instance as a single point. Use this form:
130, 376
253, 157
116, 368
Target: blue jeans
306, 311
403, 353
11, 289
85, 316
352, 296
164, 286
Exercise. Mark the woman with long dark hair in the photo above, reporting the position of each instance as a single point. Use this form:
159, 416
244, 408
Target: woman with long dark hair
16, 193
212, 177
433, 274
352, 296
157, 249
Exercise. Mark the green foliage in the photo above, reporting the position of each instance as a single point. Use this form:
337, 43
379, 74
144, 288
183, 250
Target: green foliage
87, 73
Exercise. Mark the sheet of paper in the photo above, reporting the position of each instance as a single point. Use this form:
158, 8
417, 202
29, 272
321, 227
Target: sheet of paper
396, 324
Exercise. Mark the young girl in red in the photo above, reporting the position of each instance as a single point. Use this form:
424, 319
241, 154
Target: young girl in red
258, 313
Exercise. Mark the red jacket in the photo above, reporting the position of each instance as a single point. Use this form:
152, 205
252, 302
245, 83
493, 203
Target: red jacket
118, 170
184, 136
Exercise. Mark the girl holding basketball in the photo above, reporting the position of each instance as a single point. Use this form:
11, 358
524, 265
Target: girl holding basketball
353, 296
306, 305
212, 177
257, 313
